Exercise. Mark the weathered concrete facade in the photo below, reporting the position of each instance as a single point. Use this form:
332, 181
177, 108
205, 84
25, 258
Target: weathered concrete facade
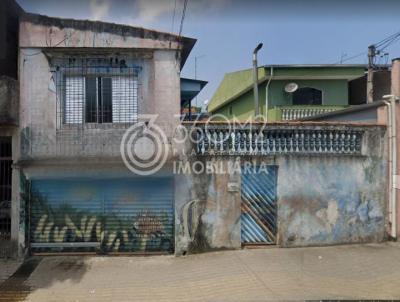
321, 199
43, 147
9, 101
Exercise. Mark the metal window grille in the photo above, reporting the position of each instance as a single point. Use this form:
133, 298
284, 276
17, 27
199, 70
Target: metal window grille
96, 91
5, 188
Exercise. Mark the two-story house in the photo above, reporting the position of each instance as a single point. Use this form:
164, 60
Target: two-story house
82, 84
289, 92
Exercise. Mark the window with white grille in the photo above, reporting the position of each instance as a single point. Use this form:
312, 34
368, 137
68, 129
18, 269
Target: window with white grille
100, 99
96, 91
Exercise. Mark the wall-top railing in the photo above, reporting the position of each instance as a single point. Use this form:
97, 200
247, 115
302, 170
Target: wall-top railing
288, 113
270, 140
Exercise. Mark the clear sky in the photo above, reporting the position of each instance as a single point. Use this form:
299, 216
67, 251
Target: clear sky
293, 31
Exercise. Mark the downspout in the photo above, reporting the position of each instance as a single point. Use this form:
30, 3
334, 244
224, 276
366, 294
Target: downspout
391, 105
271, 74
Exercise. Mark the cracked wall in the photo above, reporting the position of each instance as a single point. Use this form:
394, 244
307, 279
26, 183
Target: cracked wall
322, 199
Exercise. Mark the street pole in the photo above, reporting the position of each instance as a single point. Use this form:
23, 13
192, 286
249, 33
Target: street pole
255, 80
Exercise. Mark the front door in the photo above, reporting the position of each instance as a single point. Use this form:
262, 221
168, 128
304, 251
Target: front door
259, 206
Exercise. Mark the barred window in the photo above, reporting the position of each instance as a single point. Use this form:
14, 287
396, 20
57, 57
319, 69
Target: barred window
97, 94
100, 99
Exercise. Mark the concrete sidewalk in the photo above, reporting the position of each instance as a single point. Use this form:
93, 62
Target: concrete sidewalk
8, 267
341, 272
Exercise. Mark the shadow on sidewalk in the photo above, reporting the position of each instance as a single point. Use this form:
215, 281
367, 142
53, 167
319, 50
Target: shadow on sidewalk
57, 269
14, 288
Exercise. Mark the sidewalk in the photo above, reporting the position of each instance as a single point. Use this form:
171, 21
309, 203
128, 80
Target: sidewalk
8, 267
341, 272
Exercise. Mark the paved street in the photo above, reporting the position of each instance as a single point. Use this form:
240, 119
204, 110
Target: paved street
345, 272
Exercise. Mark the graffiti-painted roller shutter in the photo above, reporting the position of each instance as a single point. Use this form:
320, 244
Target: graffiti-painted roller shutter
113, 215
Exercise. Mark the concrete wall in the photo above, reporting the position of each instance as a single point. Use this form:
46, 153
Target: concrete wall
207, 213
41, 145
9, 101
331, 200
159, 87
9, 18
322, 199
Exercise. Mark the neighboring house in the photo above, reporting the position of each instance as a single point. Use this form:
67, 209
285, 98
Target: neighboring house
190, 88
290, 92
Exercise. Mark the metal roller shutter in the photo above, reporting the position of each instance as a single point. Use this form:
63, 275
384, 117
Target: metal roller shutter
109, 215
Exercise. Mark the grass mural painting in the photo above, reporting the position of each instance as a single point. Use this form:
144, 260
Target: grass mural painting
79, 212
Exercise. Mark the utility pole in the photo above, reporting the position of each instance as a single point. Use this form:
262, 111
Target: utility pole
195, 70
370, 76
255, 80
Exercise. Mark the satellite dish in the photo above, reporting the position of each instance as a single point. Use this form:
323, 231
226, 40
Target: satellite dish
291, 87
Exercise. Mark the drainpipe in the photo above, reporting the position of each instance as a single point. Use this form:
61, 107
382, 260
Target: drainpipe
391, 105
271, 74
255, 80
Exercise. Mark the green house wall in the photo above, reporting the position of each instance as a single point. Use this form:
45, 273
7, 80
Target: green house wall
234, 96
335, 92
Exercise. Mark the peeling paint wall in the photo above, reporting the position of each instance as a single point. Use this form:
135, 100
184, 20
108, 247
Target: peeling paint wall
322, 199
207, 213
43, 146
331, 200
9, 101
159, 88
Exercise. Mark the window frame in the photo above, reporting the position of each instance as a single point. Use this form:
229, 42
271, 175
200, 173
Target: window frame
130, 76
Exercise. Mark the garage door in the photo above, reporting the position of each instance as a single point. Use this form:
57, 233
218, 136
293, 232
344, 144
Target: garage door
105, 216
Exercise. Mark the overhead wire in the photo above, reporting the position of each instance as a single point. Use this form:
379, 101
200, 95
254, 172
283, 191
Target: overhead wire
173, 18
185, 3
183, 17
380, 46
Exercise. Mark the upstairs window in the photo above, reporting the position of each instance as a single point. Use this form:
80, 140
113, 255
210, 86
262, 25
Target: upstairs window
307, 96
98, 94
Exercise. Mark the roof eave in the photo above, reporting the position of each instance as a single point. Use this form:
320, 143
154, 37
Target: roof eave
114, 28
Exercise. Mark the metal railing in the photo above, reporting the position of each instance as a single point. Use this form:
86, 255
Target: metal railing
270, 140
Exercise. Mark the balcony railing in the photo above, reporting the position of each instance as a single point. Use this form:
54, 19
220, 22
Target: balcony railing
288, 113
256, 139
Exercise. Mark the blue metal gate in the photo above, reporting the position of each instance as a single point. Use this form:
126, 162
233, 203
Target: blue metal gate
259, 205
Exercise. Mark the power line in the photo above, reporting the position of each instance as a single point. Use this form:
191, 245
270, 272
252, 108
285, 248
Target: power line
379, 46
183, 17
173, 18
178, 50
352, 57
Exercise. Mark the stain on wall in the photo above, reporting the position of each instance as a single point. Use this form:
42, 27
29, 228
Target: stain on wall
214, 210
330, 200
322, 199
